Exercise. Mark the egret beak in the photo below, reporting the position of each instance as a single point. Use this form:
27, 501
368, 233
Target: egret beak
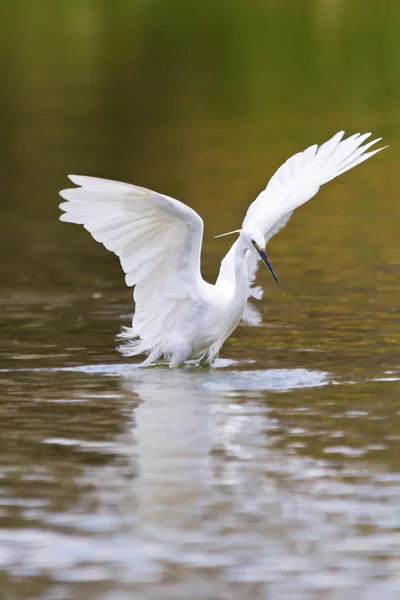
265, 259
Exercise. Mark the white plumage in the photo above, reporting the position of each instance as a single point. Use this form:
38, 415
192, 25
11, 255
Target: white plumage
158, 241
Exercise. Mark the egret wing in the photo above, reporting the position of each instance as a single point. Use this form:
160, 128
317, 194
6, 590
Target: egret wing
157, 239
293, 184
300, 178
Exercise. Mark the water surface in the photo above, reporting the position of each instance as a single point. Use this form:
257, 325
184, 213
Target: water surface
276, 474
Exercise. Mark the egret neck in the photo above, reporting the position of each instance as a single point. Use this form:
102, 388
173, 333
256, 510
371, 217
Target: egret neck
241, 289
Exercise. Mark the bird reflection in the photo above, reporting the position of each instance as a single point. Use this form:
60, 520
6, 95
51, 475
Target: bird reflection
193, 443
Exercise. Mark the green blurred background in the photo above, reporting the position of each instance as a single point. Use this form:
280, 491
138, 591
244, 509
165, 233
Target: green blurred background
202, 101
222, 90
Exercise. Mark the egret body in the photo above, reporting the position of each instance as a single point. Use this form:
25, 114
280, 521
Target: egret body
178, 315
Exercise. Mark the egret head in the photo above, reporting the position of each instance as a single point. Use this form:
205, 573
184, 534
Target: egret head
255, 241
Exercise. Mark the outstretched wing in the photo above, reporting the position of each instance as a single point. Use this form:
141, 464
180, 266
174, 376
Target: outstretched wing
157, 239
300, 178
293, 184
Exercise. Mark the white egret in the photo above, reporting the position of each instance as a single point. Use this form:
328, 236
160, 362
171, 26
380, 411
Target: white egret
158, 240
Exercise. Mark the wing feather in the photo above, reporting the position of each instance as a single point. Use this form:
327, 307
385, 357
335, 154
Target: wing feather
137, 225
301, 176
293, 184
158, 241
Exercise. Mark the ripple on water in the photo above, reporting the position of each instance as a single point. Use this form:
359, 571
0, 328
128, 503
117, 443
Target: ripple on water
209, 379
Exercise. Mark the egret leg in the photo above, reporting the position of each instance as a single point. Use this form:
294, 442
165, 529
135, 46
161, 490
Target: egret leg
180, 356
